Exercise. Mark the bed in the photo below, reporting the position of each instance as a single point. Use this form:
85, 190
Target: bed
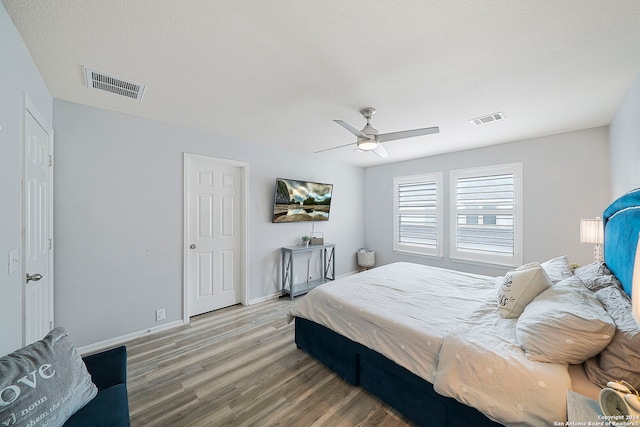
444, 357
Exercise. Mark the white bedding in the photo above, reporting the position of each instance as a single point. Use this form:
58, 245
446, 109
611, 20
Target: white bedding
401, 310
443, 326
482, 365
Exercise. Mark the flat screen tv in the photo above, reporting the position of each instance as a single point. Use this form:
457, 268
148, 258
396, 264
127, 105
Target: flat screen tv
297, 201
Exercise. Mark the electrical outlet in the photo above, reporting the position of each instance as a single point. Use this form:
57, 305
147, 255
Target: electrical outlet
295, 280
160, 314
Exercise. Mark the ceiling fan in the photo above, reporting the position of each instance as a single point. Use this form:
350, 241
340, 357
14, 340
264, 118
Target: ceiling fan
370, 140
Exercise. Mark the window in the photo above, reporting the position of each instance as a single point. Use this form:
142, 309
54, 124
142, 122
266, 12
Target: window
417, 212
486, 208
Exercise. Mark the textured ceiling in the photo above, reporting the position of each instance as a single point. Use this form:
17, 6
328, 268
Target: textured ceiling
277, 72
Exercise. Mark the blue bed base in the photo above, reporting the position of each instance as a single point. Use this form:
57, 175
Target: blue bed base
409, 394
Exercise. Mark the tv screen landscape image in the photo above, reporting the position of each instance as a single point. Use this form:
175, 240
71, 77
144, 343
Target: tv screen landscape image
301, 201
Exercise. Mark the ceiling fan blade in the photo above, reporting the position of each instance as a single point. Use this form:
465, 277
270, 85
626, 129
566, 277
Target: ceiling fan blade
351, 129
407, 134
380, 151
333, 148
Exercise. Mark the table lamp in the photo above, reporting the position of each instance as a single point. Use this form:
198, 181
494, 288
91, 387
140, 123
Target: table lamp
591, 231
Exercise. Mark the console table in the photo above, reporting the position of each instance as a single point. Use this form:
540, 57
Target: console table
327, 256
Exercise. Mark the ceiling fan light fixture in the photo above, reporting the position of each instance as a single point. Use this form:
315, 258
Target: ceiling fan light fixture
370, 140
367, 144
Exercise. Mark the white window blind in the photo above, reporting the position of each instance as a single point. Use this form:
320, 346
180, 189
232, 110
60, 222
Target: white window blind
418, 214
486, 208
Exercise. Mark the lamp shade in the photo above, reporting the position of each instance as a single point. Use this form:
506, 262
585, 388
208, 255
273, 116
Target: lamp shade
635, 286
591, 231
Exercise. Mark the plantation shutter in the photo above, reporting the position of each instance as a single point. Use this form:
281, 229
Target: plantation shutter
417, 214
487, 215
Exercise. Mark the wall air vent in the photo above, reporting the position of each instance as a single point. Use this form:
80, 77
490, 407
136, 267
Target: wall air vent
99, 80
487, 119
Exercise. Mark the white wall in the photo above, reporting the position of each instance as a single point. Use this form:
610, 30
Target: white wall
18, 74
119, 210
625, 143
118, 201
566, 177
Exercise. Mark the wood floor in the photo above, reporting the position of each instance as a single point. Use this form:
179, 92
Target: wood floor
239, 366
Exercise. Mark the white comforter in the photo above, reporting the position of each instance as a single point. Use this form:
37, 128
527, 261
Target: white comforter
482, 365
401, 310
443, 326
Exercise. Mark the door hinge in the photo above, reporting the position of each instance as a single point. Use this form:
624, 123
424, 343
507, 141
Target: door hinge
50, 160
50, 243
51, 325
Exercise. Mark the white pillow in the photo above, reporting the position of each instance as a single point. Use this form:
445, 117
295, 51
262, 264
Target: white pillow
621, 358
564, 324
519, 288
557, 268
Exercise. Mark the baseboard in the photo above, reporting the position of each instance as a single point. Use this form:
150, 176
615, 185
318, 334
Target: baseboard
279, 294
113, 342
265, 298
350, 273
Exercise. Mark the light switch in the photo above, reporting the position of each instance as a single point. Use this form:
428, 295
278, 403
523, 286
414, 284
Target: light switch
14, 260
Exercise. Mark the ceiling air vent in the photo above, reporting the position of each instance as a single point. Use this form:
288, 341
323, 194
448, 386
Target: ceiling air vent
99, 80
487, 119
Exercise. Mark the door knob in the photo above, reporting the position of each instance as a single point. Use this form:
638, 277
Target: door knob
34, 277
193, 246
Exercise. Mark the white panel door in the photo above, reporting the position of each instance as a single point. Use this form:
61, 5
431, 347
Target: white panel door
214, 193
37, 246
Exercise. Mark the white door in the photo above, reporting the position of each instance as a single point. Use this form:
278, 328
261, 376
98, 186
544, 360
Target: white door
214, 193
38, 227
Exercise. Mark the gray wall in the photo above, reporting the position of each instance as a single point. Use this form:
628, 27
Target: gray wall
119, 211
566, 177
625, 143
18, 74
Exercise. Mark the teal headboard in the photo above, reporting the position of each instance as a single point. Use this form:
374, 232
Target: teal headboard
621, 228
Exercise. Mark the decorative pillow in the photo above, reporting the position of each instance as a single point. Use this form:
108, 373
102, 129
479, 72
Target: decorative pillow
564, 324
621, 359
557, 268
44, 383
519, 288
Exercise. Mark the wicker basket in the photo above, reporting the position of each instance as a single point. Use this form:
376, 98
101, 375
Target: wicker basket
317, 239
366, 259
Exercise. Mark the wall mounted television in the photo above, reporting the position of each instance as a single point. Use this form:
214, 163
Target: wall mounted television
297, 201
